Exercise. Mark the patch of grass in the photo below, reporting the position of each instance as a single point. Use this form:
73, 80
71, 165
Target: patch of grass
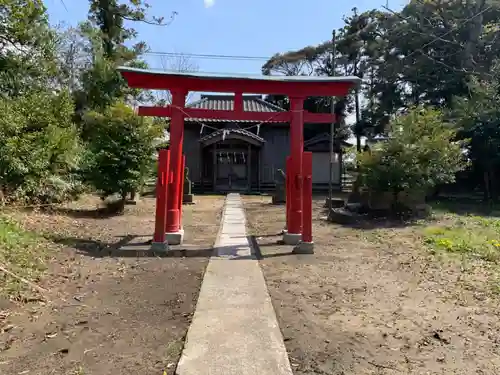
466, 207
474, 236
22, 253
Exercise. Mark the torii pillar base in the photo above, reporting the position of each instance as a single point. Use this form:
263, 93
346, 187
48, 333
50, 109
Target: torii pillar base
159, 247
175, 238
304, 248
292, 238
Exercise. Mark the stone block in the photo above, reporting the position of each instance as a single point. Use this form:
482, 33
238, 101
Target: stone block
343, 216
188, 199
292, 238
175, 238
336, 202
304, 248
279, 194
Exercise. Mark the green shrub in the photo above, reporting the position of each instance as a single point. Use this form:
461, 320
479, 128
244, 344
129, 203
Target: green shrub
39, 148
120, 150
419, 154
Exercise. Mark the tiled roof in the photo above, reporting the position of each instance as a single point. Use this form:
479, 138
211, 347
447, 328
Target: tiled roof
251, 103
242, 132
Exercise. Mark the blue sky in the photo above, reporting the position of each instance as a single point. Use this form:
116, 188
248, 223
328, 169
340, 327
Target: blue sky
231, 27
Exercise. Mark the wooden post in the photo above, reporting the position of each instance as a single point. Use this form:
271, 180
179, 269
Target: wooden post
288, 191
306, 246
176, 141
296, 151
201, 166
162, 183
170, 181
183, 177
214, 167
307, 198
249, 168
259, 173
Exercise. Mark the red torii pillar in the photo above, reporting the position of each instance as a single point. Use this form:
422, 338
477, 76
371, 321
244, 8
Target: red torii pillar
306, 245
181, 200
293, 235
288, 195
174, 233
162, 183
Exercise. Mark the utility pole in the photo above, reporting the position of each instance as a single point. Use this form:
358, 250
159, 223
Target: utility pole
332, 127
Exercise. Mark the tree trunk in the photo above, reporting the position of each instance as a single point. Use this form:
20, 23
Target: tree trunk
486, 182
122, 202
356, 104
493, 184
474, 32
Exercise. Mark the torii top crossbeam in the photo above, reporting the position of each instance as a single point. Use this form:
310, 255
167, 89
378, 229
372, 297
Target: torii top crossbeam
302, 86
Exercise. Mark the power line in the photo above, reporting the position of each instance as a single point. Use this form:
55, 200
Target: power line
449, 31
64, 6
207, 56
266, 58
440, 38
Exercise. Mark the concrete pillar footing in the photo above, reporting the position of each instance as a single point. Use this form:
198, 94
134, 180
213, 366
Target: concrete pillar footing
292, 238
175, 238
304, 248
159, 246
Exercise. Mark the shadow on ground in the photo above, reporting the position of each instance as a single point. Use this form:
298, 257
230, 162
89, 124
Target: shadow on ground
127, 247
76, 213
371, 223
256, 247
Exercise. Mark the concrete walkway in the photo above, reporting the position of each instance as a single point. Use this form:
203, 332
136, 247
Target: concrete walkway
234, 329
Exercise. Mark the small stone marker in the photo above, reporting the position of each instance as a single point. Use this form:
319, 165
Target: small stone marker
188, 197
279, 195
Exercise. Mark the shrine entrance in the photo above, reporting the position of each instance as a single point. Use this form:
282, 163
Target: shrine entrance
230, 159
168, 228
231, 168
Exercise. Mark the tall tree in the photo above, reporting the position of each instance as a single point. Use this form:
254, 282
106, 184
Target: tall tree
478, 117
424, 54
110, 17
110, 36
27, 47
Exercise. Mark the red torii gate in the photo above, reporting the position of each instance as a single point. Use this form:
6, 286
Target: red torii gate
179, 84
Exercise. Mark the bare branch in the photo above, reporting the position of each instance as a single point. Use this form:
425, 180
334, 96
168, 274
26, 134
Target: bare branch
151, 22
180, 63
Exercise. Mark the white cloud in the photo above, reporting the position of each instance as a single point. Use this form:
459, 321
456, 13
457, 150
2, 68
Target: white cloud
209, 3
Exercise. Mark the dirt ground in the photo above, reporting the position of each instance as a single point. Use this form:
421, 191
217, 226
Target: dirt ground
374, 300
108, 312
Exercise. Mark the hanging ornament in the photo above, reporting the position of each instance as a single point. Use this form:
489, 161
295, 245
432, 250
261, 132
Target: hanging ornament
258, 129
202, 128
224, 135
228, 158
243, 157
